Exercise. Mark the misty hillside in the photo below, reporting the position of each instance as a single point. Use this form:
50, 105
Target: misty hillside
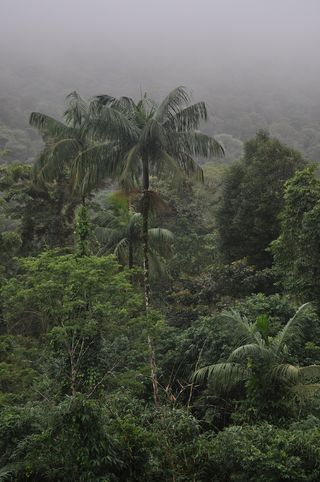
254, 63
237, 108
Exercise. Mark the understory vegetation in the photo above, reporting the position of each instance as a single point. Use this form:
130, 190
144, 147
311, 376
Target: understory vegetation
159, 307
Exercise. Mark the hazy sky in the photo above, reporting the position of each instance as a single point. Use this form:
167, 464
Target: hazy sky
180, 39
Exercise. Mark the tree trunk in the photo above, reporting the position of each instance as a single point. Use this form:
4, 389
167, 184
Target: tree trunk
130, 258
145, 238
153, 370
82, 230
145, 228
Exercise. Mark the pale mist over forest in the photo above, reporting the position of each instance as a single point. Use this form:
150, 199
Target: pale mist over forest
253, 61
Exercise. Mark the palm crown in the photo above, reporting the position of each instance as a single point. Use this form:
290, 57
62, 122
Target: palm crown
165, 136
259, 352
119, 229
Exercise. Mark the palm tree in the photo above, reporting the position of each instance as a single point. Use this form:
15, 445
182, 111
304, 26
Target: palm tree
261, 358
70, 153
70, 148
162, 140
128, 141
119, 231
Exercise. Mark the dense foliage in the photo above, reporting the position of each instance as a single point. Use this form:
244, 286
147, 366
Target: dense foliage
252, 199
296, 251
177, 341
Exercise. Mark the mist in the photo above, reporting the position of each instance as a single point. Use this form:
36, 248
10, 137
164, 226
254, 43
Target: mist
221, 50
168, 40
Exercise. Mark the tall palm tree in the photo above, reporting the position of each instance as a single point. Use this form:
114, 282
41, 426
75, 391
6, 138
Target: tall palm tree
162, 140
261, 357
159, 139
128, 141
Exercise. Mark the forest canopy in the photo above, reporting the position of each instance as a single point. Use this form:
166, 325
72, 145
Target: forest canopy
159, 299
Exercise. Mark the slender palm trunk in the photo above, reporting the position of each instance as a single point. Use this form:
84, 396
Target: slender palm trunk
58, 235
82, 230
145, 238
130, 243
145, 228
130, 249
153, 370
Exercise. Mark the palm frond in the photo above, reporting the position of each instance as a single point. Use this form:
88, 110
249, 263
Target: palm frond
222, 376
152, 134
98, 102
134, 225
172, 104
157, 265
198, 144
110, 230
54, 159
167, 165
130, 168
295, 375
125, 105
48, 126
121, 250
310, 372
107, 237
189, 118
291, 329
65, 147
145, 108
92, 165
115, 125
287, 373
240, 325
161, 240
77, 110
44, 170
103, 99
256, 351
8, 473
117, 221
189, 166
